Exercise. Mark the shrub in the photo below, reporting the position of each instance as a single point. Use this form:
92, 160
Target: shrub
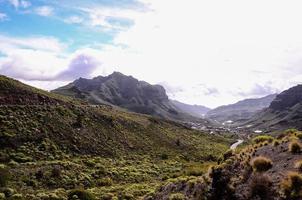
80, 194
177, 196
298, 165
291, 187
164, 156
299, 135
276, 143
105, 182
261, 164
261, 187
263, 138
294, 147
227, 155
4, 175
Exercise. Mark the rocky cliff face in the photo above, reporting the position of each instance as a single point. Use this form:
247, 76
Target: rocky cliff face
126, 92
285, 111
287, 99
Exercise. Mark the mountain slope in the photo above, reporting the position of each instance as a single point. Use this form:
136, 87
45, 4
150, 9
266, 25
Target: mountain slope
241, 110
284, 111
51, 147
195, 110
263, 171
126, 92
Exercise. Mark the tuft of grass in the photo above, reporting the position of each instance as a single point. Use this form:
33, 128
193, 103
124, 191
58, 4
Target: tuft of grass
261, 164
298, 165
294, 147
261, 187
276, 143
291, 186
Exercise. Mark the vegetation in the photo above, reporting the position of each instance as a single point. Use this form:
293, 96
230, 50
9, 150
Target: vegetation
261, 187
261, 164
51, 146
292, 186
298, 165
294, 147
80, 195
263, 138
4, 175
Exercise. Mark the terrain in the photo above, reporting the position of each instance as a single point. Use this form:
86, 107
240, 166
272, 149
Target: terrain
57, 147
127, 92
268, 169
240, 111
285, 111
195, 110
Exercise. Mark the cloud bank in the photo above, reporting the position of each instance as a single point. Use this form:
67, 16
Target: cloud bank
205, 52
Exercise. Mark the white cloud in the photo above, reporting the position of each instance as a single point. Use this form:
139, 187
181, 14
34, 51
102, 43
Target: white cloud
19, 3
10, 44
44, 11
74, 20
3, 17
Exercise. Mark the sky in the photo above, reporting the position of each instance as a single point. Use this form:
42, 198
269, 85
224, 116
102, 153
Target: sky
206, 52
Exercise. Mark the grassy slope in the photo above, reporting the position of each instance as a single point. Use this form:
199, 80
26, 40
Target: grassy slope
48, 142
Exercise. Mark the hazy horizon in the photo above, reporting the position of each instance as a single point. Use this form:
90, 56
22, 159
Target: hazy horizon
207, 53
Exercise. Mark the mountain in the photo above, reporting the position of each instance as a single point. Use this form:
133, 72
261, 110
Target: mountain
55, 147
195, 110
126, 92
240, 111
285, 111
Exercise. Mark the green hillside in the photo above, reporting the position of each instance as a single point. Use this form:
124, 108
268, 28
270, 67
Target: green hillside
51, 146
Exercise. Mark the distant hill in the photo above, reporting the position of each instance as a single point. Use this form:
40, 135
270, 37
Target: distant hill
126, 92
242, 110
284, 111
195, 110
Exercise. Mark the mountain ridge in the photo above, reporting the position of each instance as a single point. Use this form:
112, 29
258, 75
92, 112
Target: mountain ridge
242, 110
126, 92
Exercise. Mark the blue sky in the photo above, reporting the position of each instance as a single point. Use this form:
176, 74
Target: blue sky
203, 52
65, 20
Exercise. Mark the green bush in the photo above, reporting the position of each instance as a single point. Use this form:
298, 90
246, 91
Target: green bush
291, 187
261, 164
105, 182
294, 147
80, 194
263, 138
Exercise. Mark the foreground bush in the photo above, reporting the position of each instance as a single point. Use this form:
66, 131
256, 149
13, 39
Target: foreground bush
261, 164
80, 194
261, 187
263, 138
291, 187
294, 147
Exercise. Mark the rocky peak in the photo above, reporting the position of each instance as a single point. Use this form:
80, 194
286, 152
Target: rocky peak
287, 99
